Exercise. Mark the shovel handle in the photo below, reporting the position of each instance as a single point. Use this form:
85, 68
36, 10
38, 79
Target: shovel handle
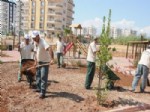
37, 66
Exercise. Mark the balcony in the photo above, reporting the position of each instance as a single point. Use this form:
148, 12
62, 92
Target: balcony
50, 28
55, 6
58, 13
71, 10
59, 6
71, 3
58, 20
57, 28
70, 17
51, 12
51, 21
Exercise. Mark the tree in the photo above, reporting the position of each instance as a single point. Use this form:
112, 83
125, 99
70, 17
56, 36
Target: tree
104, 56
67, 31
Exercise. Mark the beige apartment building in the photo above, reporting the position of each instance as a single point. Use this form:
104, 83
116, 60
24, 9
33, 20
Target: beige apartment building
48, 16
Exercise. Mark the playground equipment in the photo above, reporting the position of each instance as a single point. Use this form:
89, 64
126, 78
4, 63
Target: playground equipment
82, 47
68, 47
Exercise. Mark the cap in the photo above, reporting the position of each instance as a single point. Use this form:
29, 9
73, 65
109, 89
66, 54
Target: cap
35, 33
27, 36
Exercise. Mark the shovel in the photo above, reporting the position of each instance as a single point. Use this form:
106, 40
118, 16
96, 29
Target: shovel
37, 66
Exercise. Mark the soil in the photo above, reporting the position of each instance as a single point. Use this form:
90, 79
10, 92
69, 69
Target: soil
65, 92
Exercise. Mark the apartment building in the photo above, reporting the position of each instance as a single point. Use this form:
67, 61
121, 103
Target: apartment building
48, 16
128, 32
86, 31
22, 16
7, 16
117, 32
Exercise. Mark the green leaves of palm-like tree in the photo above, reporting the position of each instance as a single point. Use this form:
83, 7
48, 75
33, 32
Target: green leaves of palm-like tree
67, 31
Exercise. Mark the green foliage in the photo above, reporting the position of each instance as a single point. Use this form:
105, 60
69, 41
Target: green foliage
124, 40
67, 31
113, 49
104, 56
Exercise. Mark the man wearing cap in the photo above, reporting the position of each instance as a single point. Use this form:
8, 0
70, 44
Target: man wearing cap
142, 70
42, 51
26, 49
91, 57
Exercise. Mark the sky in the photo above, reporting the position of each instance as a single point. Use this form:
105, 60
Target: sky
131, 14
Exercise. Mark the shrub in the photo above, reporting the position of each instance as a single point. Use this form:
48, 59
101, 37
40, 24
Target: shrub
114, 49
124, 40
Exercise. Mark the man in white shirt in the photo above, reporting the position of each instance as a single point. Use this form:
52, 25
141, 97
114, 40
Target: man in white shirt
60, 48
26, 49
42, 51
91, 57
142, 70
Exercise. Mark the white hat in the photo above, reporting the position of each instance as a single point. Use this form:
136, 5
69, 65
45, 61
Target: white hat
34, 34
27, 36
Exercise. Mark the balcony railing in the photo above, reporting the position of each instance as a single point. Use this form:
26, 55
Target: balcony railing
57, 20
70, 17
57, 28
71, 3
58, 13
51, 28
59, 6
71, 10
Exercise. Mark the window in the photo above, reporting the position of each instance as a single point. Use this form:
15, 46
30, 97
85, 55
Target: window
41, 25
33, 11
32, 18
33, 3
42, 3
41, 18
32, 25
51, 18
42, 11
53, 25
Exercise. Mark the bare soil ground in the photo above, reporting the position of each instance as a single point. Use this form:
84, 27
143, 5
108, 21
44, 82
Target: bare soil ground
65, 92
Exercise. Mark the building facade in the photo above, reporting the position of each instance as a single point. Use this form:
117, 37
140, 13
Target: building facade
86, 31
48, 16
7, 16
117, 32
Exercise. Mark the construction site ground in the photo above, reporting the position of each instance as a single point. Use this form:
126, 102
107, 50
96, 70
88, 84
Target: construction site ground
66, 92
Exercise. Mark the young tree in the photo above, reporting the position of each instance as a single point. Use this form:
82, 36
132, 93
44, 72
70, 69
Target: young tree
104, 56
